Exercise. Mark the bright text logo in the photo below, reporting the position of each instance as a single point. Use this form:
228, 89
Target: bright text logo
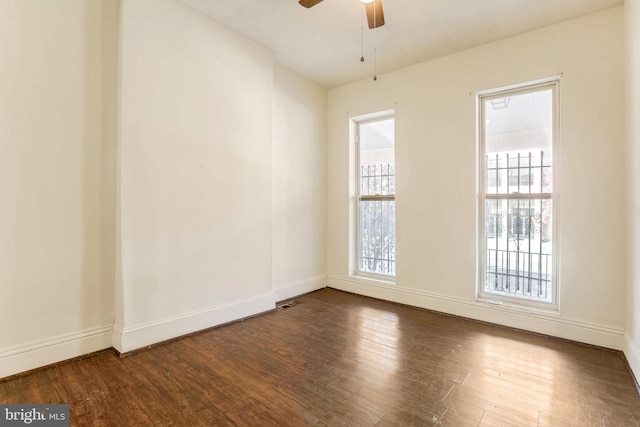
36, 415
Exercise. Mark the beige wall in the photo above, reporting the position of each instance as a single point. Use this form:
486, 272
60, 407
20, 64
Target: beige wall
56, 223
195, 177
632, 21
160, 171
436, 176
299, 190
199, 243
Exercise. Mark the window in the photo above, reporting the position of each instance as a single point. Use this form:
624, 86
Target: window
517, 201
376, 196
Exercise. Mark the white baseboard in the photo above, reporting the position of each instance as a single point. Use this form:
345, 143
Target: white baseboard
632, 353
293, 289
138, 336
529, 320
36, 354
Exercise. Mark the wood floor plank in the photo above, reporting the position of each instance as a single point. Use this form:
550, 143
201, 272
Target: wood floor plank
337, 359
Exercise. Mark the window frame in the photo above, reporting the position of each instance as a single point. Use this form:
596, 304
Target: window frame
358, 121
516, 300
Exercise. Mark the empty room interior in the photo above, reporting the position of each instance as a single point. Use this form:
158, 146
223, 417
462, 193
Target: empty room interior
338, 212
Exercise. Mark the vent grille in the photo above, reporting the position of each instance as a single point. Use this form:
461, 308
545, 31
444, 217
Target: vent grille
285, 305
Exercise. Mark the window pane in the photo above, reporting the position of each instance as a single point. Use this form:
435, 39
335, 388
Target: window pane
519, 172
378, 236
518, 205
377, 179
376, 216
518, 143
377, 158
518, 241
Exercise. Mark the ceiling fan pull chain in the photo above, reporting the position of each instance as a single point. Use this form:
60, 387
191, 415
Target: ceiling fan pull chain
375, 44
375, 71
361, 41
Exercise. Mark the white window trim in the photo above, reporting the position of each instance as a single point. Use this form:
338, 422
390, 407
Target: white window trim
515, 301
355, 232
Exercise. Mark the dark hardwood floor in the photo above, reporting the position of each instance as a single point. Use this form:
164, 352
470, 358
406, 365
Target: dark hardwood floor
343, 360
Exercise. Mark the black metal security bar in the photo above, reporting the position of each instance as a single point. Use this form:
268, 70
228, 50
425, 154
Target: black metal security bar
377, 219
524, 274
377, 179
518, 221
518, 173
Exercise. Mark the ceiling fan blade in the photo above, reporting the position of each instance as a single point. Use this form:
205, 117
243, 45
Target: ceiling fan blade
309, 3
375, 14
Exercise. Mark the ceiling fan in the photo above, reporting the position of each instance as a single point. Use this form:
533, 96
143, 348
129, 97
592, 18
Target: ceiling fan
375, 14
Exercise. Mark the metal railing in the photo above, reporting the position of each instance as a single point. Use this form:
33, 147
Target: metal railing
518, 220
524, 274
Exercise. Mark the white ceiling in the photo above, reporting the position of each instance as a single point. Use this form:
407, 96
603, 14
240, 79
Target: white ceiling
324, 42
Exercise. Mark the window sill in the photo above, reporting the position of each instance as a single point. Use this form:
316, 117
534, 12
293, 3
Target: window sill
551, 310
374, 278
